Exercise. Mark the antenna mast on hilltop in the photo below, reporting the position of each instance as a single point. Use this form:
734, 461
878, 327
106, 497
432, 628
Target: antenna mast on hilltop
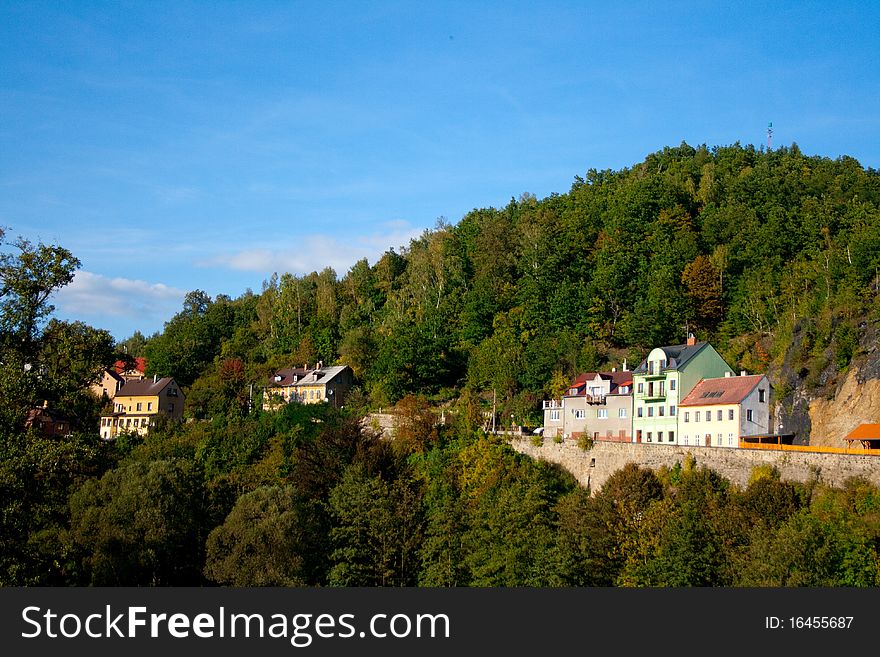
770, 135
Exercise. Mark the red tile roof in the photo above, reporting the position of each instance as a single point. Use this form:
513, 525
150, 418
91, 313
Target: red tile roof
722, 390
140, 364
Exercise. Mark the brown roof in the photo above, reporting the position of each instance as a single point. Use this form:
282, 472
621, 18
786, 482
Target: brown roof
722, 390
144, 387
287, 375
618, 378
864, 432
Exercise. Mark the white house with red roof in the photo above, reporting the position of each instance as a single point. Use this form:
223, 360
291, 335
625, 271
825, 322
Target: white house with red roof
719, 411
596, 404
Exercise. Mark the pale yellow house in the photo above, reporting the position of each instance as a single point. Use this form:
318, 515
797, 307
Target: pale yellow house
138, 403
308, 386
720, 411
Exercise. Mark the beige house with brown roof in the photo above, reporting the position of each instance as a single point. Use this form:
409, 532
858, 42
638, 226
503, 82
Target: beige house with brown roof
138, 404
596, 404
308, 386
720, 411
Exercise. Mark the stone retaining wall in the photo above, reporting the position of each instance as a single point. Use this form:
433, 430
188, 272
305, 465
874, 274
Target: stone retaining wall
593, 467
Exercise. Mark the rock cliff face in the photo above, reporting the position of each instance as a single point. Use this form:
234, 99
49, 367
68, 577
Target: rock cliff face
823, 406
854, 402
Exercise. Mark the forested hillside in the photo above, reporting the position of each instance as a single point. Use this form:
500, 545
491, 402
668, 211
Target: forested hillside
750, 249
772, 256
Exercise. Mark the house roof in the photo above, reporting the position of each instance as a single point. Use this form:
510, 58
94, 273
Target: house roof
722, 390
140, 365
287, 375
864, 432
45, 415
306, 377
112, 374
617, 379
677, 356
144, 387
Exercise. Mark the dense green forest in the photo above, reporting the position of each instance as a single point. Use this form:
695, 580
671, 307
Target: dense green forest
743, 247
771, 255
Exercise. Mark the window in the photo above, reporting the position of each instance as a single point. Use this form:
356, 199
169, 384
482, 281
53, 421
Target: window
662, 364
672, 411
720, 415
650, 388
621, 412
659, 436
624, 390
149, 406
171, 408
579, 414
686, 439
672, 436
602, 414
139, 406
708, 416
650, 411
662, 388
687, 417
672, 384
761, 396
697, 416
749, 415
719, 440
641, 388
649, 436
730, 414
554, 415
639, 411
662, 411
730, 439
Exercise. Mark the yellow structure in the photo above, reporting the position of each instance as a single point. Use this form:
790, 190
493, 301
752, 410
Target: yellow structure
138, 404
308, 386
108, 385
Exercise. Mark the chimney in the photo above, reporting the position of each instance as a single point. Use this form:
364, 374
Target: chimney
613, 369
155, 378
742, 372
727, 375
691, 340
624, 365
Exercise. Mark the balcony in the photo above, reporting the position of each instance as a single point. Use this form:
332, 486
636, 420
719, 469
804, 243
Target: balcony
598, 400
651, 395
551, 403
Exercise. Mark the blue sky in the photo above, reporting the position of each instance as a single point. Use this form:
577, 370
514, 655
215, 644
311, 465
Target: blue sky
175, 146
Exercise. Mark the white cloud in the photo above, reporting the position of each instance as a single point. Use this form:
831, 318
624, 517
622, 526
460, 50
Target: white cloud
315, 252
93, 295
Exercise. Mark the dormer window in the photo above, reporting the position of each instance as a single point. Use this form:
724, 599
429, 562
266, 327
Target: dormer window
278, 378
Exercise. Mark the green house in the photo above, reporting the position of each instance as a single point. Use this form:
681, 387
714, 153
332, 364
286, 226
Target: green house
664, 378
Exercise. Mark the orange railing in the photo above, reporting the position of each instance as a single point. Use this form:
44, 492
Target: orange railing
810, 448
